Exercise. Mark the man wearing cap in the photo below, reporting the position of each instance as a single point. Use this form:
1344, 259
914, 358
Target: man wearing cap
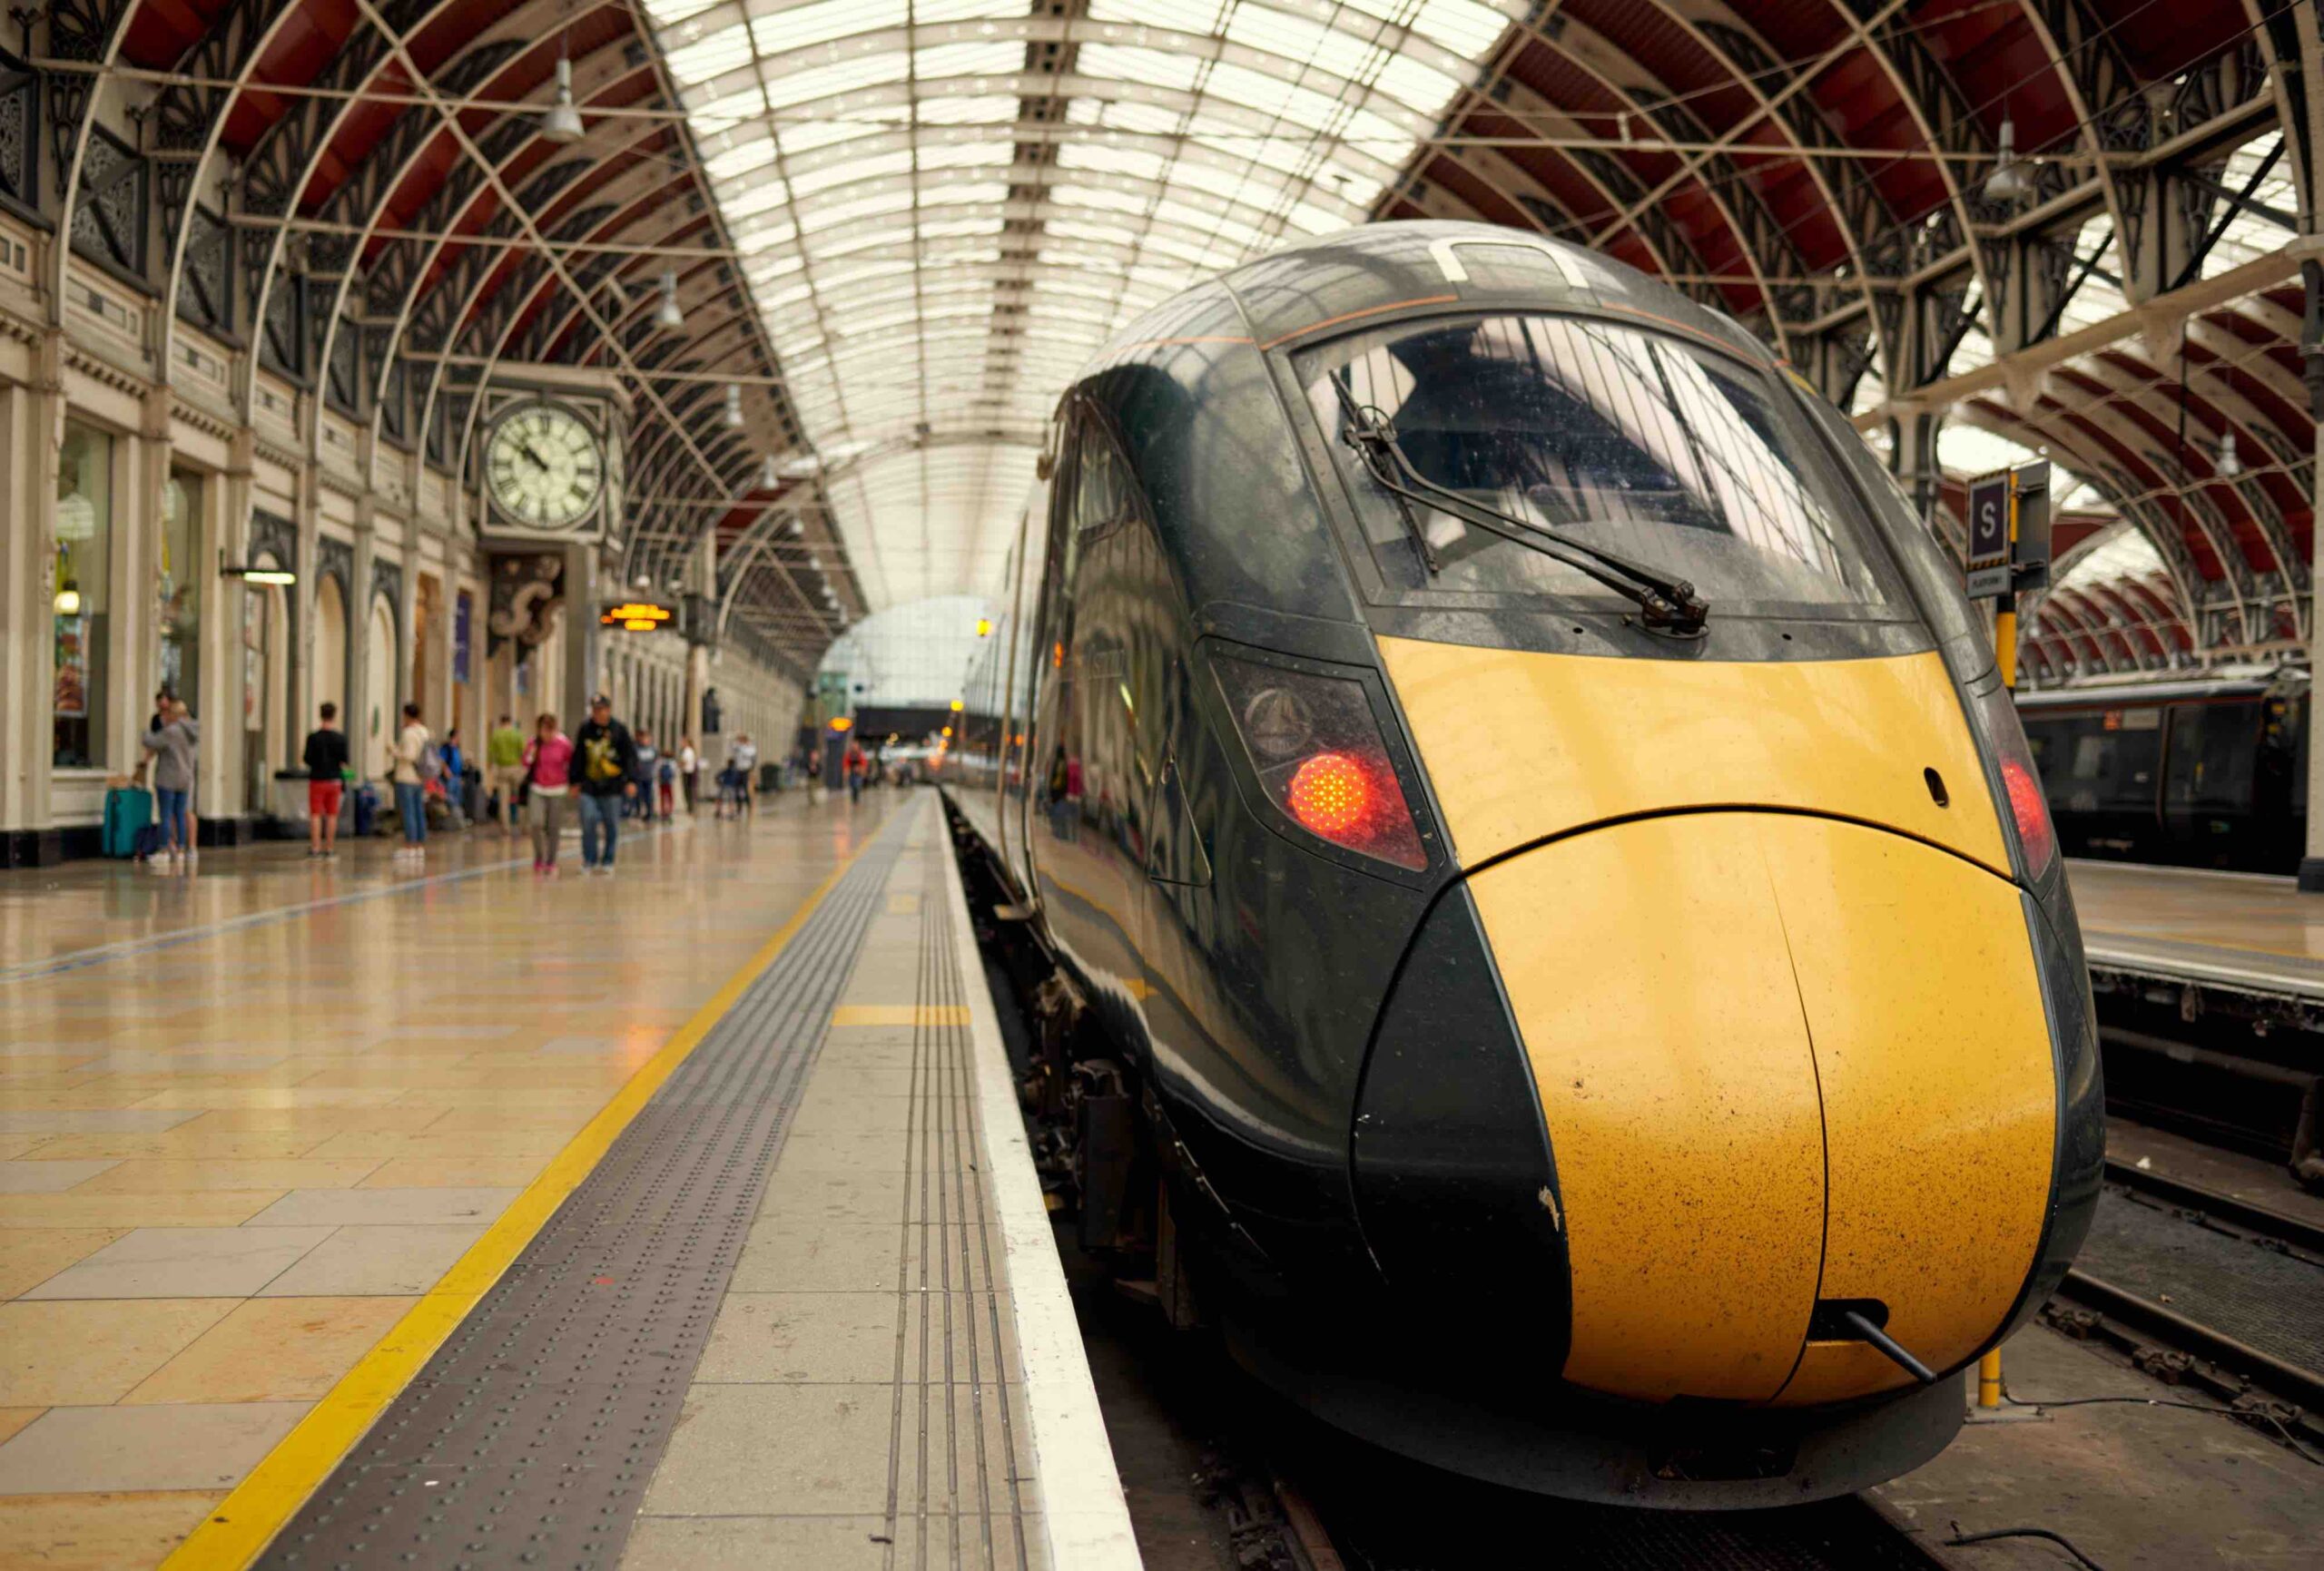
605, 757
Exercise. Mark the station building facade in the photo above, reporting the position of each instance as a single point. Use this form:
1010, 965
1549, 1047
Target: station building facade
144, 519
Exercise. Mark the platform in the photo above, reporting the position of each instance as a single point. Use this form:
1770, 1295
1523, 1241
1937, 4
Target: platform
2133, 1480
678, 1219
2242, 932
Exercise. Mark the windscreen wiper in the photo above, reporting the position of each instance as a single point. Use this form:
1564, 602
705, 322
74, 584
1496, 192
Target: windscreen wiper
1665, 605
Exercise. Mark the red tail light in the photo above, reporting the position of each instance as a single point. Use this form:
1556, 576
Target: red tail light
2029, 810
2027, 805
1321, 759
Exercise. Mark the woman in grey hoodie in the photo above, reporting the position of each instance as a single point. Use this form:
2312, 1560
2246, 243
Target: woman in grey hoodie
174, 749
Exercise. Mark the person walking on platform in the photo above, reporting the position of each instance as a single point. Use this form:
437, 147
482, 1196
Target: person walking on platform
647, 763
606, 761
689, 764
746, 758
857, 764
326, 759
416, 763
175, 751
504, 770
546, 778
666, 786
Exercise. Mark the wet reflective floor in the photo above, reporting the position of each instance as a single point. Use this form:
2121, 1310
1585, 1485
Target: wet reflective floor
249, 1112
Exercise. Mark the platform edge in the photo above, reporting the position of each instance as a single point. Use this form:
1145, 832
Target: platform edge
1084, 1515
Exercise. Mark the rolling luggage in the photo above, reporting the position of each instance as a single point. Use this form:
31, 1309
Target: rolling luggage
128, 809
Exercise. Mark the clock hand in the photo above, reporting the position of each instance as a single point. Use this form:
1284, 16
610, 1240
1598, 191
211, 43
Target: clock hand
538, 462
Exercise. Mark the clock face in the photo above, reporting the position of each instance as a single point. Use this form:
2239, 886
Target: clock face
544, 466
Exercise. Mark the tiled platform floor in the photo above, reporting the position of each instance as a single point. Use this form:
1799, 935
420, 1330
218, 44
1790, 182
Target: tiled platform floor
280, 1098
861, 1390
863, 1400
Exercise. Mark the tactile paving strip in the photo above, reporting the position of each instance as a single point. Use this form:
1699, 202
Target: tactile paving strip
951, 1424
529, 1437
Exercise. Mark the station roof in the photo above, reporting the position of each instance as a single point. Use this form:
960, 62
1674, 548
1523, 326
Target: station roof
898, 225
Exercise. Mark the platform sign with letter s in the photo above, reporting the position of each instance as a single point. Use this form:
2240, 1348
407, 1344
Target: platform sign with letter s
1988, 555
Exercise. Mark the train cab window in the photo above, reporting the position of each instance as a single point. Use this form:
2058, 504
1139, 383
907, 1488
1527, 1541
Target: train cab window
1669, 453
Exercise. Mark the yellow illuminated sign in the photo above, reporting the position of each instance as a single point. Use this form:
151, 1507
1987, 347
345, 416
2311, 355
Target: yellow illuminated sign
984, 627
637, 616
841, 722
958, 706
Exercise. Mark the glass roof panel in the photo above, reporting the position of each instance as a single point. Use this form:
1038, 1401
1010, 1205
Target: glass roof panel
945, 206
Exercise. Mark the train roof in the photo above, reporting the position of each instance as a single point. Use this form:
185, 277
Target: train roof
2135, 694
1378, 269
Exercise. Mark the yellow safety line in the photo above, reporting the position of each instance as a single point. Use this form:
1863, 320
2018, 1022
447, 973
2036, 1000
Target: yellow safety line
231, 1537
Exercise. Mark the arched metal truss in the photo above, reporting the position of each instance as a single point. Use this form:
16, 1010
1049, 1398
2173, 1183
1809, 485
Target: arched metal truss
899, 224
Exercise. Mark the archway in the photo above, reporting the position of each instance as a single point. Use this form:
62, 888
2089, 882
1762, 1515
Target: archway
330, 648
379, 725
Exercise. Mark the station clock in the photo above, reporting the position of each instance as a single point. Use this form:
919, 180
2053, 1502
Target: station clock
545, 468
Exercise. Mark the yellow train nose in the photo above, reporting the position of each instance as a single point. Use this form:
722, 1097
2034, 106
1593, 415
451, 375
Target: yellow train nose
1783, 1059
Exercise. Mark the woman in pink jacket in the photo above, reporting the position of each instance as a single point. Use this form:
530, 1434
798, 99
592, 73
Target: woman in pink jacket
548, 774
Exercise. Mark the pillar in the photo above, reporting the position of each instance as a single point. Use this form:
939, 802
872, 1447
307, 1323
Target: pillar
582, 677
30, 436
2311, 864
2311, 32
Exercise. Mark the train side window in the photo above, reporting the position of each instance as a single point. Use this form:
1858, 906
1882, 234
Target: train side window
2212, 749
1101, 484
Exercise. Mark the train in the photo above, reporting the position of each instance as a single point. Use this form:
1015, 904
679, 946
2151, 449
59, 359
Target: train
1552, 940
2200, 771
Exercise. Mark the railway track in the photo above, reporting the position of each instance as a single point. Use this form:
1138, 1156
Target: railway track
2206, 1289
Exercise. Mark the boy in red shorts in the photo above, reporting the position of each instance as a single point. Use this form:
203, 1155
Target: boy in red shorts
326, 758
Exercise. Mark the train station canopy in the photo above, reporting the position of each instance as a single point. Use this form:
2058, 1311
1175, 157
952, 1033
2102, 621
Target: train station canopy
847, 253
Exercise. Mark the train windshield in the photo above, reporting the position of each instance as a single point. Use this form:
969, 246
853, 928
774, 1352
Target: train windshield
1676, 457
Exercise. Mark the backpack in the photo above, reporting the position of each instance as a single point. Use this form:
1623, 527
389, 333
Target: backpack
430, 764
669, 773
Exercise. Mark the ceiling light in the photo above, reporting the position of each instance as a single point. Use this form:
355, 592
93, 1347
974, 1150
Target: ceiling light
2229, 465
2008, 183
770, 475
562, 123
68, 601
734, 405
667, 314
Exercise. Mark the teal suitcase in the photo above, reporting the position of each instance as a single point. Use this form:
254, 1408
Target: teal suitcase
128, 809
